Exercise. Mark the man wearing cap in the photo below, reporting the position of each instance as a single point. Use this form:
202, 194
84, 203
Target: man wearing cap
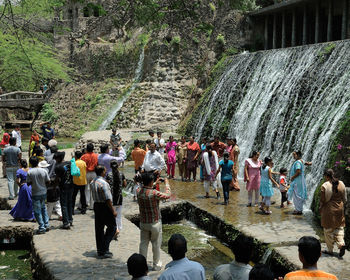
38, 178
48, 131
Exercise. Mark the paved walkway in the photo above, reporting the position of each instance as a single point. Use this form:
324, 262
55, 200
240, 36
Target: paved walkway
71, 254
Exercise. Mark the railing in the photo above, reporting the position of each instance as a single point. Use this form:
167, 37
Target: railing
21, 95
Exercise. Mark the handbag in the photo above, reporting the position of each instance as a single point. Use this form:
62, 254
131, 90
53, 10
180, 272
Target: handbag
74, 170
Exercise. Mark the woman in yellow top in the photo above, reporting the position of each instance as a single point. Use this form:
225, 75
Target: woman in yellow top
80, 182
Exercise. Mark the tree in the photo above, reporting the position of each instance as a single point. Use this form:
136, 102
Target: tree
27, 55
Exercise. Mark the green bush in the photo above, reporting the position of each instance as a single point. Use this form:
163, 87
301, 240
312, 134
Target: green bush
49, 115
176, 40
221, 39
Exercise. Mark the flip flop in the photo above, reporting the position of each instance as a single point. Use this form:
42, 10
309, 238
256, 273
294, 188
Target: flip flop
342, 251
327, 253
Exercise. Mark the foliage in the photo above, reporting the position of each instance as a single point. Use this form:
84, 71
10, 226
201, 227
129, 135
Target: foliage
26, 62
48, 113
15, 265
221, 39
212, 7
176, 40
27, 55
42, 8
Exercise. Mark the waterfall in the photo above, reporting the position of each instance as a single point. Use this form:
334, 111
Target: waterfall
137, 78
278, 101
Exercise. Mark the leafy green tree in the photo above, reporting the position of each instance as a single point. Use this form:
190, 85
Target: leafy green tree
27, 55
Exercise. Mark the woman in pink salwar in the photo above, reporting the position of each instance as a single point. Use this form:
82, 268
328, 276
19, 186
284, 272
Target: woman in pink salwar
252, 177
171, 152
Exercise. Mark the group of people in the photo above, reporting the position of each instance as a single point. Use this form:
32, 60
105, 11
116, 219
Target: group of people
48, 178
181, 267
218, 162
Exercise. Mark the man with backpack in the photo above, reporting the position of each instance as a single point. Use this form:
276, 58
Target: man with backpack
64, 180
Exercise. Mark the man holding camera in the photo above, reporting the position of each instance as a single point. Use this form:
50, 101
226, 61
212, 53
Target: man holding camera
150, 218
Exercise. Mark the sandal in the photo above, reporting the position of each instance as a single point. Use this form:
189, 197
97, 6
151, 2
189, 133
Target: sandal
342, 251
327, 253
249, 205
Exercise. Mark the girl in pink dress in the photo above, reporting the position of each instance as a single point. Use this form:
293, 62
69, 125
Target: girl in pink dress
171, 152
252, 177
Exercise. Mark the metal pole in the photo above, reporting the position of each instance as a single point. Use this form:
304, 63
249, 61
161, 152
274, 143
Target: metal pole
304, 25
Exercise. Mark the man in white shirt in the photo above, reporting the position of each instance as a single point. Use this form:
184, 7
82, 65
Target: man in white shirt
16, 133
181, 267
160, 143
153, 160
238, 269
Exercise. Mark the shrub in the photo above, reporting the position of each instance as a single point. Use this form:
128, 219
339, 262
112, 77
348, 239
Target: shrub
49, 115
212, 7
176, 40
221, 39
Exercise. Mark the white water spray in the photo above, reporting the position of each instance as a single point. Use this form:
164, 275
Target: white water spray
114, 111
281, 100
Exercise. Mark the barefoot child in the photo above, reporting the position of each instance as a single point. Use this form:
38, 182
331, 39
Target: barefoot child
283, 186
266, 189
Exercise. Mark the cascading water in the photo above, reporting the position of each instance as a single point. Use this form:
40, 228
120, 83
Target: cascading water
281, 100
114, 111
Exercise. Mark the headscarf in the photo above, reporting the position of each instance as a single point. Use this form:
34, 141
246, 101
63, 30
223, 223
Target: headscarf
5, 139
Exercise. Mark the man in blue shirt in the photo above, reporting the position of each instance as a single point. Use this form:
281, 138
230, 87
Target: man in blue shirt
181, 267
48, 131
226, 167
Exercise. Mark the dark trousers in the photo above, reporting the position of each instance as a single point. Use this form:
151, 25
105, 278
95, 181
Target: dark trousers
82, 197
66, 198
226, 189
283, 197
103, 217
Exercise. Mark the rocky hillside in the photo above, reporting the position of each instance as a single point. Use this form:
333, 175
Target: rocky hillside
180, 52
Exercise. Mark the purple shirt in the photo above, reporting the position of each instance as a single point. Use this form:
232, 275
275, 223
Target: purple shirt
105, 160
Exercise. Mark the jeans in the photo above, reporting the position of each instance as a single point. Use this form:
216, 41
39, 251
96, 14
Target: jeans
103, 217
40, 211
66, 198
226, 189
153, 233
11, 177
82, 197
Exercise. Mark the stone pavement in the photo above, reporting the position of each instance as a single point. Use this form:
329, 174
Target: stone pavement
71, 254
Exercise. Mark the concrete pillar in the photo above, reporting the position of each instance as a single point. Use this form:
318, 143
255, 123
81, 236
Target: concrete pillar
283, 29
305, 25
344, 27
274, 34
330, 21
317, 23
294, 28
266, 35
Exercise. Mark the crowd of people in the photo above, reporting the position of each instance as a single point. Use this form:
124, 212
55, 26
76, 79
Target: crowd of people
48, 183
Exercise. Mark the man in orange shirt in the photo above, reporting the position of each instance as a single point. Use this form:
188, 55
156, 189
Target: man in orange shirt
309, 253
138, 155
91, 160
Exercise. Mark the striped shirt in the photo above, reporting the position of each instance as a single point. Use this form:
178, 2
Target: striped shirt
101, 191
148, 199
305, 274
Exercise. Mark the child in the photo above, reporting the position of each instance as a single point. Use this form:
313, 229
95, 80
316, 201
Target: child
283, 186
266, 189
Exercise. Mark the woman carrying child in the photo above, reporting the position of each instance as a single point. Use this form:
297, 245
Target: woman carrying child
266, 189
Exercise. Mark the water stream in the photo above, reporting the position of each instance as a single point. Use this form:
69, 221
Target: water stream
277, 101
137, 78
